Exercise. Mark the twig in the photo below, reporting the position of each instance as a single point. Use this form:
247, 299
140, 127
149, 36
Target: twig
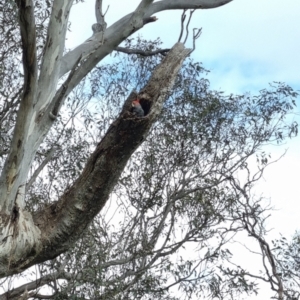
40, 168
183, 16
187, 25
196, 34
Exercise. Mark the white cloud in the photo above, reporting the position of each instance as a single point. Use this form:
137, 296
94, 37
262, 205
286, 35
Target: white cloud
262, 33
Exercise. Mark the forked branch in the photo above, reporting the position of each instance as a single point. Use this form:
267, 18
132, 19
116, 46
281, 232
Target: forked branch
185, 26
101, 25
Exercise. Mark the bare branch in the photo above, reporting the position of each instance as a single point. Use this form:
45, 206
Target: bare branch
187, 25
254, 226
98, 11
196, 34
101, 25
8, 106
183, 16
17, 292
116, 33
141, 52
40, 168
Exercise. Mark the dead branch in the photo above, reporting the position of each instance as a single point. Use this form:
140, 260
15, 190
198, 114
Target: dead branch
183, 16
187, 25
142, 52
196, 34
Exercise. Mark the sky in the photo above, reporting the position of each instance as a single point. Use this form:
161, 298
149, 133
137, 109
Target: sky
246, 45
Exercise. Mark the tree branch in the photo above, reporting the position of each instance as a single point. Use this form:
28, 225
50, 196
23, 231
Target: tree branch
17, 292
88, 195
27, 28
186, 4
183, 16
53, 49
253, 225
149, 20
117, 30
98, 12
12, 171
100, 26
141, 52
40, 168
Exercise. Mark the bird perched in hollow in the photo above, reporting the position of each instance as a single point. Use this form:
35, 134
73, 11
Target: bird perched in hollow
137, 109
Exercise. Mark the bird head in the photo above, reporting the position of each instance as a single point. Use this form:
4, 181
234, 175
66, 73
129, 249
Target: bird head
135, 103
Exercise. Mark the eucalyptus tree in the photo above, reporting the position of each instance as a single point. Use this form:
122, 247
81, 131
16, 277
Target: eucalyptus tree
31, 101
178, 201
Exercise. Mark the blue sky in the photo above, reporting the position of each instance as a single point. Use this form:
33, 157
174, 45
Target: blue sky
246, 45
